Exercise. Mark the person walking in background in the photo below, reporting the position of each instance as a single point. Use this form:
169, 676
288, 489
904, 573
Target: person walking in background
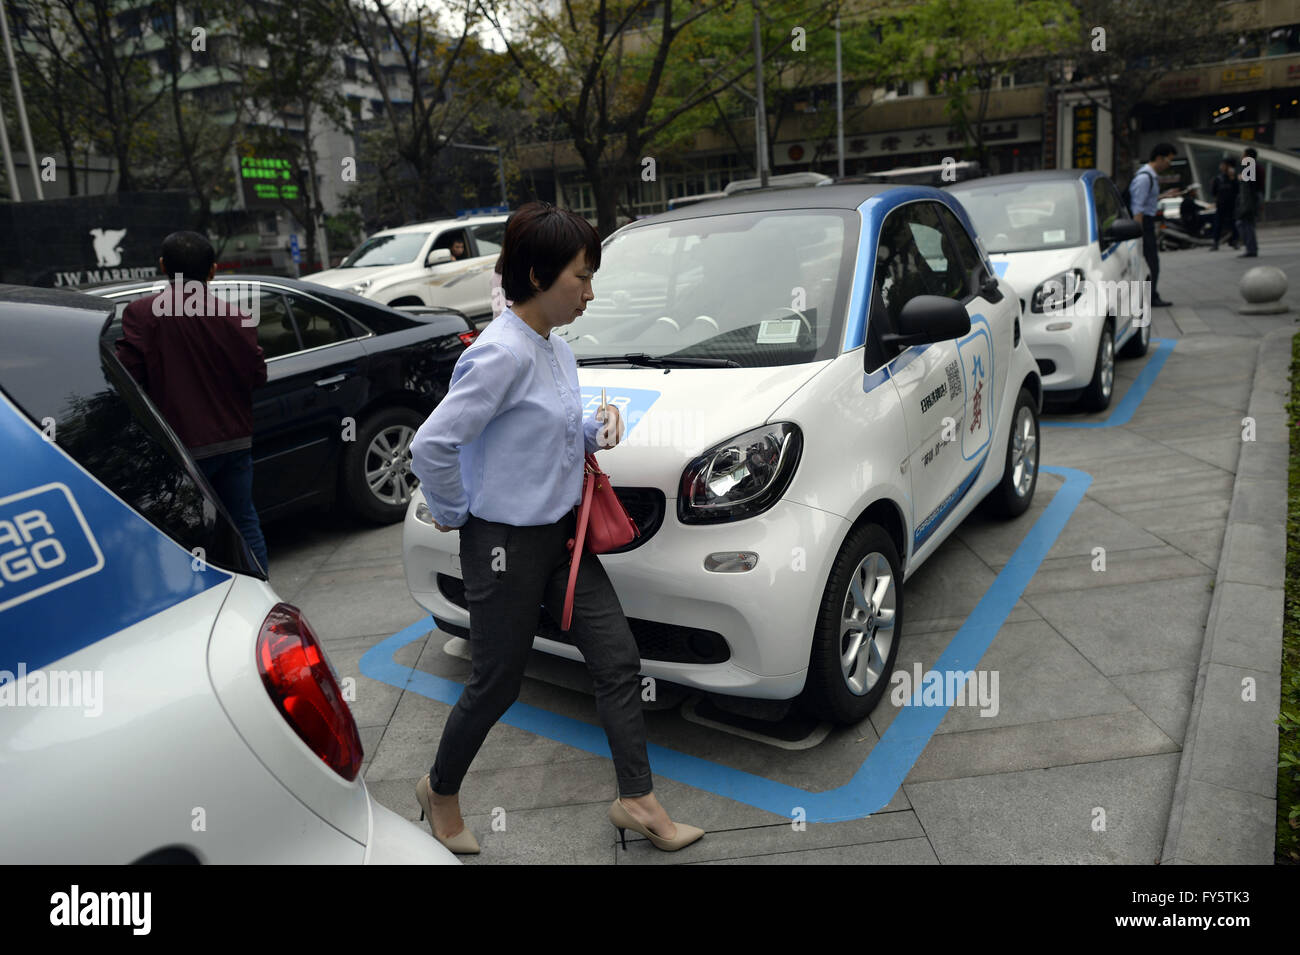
1145, 194
1223, 189
1247, 209
200, 371
502, 459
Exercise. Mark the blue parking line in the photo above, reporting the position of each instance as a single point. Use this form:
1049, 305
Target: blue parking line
1124, 411
886, 766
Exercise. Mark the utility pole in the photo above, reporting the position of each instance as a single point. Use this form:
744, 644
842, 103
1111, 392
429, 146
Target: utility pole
760, 109
839, 98
22, 116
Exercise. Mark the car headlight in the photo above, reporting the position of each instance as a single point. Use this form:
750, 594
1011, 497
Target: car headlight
360, 287
1058, 292
740, 477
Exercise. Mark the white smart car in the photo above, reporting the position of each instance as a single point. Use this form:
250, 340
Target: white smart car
819, 385
158, 701
412, 265
1065, 242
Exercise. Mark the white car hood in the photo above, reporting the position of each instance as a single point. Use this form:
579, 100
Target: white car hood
671, 418
1025, 271
343, 278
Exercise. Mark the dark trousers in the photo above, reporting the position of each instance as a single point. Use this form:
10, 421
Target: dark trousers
231, 476
1247, 227
1223, 219
510, 572
1151, 253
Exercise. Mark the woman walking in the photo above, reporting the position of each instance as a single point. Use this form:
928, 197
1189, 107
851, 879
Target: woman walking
501, 459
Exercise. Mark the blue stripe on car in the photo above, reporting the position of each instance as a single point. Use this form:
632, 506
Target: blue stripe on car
76, 563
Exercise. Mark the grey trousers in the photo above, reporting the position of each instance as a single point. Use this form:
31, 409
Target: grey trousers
509, 573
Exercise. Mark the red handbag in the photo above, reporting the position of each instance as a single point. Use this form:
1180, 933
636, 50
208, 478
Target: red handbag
603, 525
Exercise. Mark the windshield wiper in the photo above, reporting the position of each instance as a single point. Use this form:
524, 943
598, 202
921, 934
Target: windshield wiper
667, 361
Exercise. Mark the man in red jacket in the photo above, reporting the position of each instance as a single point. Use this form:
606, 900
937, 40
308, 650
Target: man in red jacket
198, 360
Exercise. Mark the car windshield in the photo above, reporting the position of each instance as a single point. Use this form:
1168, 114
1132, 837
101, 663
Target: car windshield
1026, 216
758, 288
398, 249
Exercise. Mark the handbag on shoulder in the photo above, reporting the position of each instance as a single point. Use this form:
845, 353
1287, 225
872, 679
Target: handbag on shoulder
603, 525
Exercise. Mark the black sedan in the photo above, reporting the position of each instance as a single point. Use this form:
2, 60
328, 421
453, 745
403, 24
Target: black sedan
348, 383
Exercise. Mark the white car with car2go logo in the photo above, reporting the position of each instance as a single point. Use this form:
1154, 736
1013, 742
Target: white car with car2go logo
158, 701
1064, 241
818, 384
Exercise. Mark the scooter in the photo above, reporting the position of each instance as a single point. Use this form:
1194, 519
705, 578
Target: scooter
1170, 236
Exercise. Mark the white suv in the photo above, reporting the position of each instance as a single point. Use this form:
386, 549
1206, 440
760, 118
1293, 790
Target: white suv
412, 265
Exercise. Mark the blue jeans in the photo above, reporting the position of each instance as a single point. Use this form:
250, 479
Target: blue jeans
231, 476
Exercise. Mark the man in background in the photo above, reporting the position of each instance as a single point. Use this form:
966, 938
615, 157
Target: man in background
200, 371
1145, 194
1224, 190
1248, 202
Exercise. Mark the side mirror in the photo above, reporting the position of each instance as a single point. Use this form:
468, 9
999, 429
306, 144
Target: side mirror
1122, 229
437, 257
985, 284
929, 318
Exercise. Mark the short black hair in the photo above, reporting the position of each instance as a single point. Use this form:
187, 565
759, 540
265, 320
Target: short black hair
543, 240
1162, 149
189, 254
1250, 151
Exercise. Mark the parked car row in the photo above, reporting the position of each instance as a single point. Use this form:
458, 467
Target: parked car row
819, 386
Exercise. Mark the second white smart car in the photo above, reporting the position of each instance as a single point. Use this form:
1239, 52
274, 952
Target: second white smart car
819, 384
1065, 242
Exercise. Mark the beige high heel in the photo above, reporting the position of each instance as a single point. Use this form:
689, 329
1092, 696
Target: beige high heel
463, 842
622, 819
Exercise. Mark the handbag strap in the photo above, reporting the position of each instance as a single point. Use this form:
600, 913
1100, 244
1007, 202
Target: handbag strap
584, 515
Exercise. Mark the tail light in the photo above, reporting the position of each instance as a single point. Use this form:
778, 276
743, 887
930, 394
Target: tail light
468, 337
303, 687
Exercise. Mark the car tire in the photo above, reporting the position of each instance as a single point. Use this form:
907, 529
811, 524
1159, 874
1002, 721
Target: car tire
1137, 346
831, 689
381, 438
1096, 397
1015, 492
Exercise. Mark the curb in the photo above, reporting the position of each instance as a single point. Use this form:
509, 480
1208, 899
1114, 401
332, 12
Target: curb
1225, 798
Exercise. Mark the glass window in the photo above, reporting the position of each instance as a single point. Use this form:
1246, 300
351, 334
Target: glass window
318, 323
947, 273
1025, 216
489, 237
386, 250
966, 251
1103, 194
761, 289
275, 331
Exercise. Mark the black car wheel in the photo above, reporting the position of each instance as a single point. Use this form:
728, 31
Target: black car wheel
1015, 492
858, 629
1096, 397
377, 480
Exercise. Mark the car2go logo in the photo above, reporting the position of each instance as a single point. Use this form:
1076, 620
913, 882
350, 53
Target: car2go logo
45, 543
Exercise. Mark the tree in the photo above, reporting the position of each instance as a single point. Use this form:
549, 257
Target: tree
962, 45
621, 75
296, 74
1140, 42
448, 81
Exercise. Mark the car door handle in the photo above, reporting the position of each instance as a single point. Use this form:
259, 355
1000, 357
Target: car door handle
326, 382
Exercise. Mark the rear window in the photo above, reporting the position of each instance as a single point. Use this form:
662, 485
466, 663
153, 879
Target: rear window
111, 429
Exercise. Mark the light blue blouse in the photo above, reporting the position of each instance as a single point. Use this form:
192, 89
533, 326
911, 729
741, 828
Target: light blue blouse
508, 441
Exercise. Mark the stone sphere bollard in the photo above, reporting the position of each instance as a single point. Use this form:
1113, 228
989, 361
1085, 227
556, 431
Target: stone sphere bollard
1263, 287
